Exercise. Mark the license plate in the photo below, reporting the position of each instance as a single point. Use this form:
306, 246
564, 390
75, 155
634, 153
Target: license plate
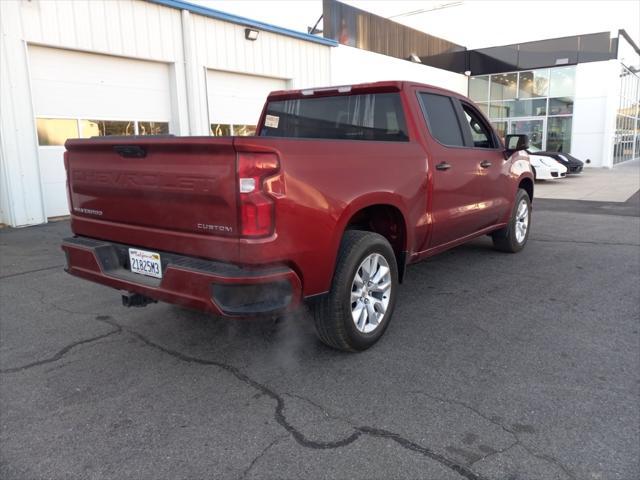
145, 263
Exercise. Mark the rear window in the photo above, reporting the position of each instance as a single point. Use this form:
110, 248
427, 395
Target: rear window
375, 116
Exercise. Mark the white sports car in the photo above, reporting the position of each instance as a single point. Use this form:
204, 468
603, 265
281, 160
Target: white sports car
546, 168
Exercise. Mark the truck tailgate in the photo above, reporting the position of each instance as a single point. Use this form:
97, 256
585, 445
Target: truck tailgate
185, 186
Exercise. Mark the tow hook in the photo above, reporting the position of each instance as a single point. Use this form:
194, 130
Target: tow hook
136, 300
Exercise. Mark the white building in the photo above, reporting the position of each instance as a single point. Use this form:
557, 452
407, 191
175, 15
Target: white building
79, 68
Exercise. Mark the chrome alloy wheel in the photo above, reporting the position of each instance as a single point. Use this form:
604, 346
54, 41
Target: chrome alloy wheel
522, 221
370, 293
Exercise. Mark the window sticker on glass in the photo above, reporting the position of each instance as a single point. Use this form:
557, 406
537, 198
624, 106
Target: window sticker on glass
271, 121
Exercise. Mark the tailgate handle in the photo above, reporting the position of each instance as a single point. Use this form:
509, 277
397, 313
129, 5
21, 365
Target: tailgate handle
131, 151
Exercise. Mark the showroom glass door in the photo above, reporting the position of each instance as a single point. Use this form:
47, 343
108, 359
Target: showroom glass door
534, 127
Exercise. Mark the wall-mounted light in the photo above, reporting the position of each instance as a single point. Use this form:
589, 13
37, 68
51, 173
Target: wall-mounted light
467, 73
251, 34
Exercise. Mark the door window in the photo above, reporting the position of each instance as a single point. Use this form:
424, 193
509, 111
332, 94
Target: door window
480, 134
442, 119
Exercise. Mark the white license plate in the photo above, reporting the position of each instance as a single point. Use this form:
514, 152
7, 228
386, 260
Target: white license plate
145, 263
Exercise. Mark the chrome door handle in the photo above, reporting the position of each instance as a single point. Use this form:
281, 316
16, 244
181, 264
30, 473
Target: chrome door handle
485, 164
443, 166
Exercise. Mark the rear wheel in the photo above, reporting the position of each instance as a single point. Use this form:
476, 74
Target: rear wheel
513, 238
356, 312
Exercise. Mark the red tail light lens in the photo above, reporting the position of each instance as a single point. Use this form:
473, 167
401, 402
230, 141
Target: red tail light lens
256, 205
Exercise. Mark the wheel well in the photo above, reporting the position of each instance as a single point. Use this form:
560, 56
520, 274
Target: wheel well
527, 185
387, 221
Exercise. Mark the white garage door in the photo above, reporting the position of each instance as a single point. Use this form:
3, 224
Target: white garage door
236, 100
82, 95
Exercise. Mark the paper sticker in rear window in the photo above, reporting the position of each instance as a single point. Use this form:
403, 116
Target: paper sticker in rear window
271, 121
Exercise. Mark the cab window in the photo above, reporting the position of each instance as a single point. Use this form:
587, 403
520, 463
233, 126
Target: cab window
442, 119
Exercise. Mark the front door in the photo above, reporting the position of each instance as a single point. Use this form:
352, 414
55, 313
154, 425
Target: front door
465, 166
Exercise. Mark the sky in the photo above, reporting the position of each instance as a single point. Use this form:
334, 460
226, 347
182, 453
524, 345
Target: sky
471, 23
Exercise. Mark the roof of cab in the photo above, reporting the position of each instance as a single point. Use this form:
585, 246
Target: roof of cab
382, 86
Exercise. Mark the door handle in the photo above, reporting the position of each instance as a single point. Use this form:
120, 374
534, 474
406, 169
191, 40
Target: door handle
485, 164
443, 166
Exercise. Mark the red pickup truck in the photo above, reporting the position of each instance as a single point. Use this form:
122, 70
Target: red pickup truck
339, 190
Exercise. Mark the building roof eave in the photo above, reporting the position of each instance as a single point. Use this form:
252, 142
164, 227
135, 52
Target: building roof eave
247, 22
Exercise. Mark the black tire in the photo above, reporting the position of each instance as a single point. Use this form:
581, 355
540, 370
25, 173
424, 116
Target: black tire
505, 240
333, 312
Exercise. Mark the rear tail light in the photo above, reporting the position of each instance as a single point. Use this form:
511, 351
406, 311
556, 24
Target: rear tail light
257, 215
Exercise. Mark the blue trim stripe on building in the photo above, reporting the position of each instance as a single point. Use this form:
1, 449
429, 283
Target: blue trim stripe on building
247, 22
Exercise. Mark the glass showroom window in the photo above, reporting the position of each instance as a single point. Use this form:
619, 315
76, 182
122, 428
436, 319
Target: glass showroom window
559, 134
538, 101
560, 121
533, 84
479, 92
626, 137
626, 141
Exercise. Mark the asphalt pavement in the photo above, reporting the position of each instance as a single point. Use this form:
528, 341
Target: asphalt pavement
495, 366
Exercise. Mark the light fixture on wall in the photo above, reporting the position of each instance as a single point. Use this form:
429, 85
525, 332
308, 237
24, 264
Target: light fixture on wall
251, 34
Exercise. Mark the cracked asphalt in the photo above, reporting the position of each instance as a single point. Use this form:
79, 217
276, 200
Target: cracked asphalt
495, 366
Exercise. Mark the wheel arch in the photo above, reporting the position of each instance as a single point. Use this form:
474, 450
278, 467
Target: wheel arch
384, 215
526, 184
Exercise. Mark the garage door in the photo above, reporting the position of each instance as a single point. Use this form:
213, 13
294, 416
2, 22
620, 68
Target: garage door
236, 100
82, 95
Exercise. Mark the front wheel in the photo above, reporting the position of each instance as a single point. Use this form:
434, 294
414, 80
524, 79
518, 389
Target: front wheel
356, 312
513, 238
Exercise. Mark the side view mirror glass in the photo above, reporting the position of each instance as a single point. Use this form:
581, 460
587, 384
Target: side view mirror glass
516, 143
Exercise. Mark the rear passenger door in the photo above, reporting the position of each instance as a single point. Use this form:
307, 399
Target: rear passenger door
463, 163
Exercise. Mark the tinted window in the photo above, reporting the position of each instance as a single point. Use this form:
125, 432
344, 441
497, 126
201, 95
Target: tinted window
480, 134
442, 119
376, 116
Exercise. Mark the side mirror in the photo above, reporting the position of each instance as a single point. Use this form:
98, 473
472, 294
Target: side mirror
515, 143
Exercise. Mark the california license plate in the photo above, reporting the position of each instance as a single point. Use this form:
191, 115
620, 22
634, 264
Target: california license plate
145, 263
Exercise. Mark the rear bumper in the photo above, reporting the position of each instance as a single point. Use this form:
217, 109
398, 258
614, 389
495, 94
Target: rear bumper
216, 287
